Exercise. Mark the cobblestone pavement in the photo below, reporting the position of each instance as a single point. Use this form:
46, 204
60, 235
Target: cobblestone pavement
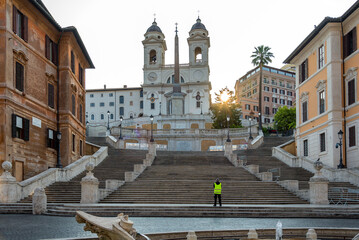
34, 227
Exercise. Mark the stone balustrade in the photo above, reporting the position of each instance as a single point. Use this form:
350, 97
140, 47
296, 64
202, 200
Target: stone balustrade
25, 188
332, 174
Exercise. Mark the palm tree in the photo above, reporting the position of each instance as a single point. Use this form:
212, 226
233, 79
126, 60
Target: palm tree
261, 56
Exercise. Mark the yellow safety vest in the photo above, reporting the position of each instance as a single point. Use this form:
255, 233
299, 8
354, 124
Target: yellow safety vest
217, 188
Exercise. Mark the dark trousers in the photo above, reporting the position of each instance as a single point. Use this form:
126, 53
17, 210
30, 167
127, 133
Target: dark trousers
219, 199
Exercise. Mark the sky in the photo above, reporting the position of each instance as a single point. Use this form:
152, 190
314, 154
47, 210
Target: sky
113, 30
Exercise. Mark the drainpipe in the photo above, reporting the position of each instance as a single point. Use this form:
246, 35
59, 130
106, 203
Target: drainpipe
58, 164
344, 100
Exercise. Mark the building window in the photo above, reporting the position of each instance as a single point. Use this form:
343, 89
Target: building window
303, 71
72, 62
152, 105
153, 58
254, 90
274, 100
352, 137
274, 110
50, 95
122, 111
321, 102
92, 104
92, 117
111, 116
122, 99
131, 94
350, 42
290, 103
266, 99
102, 116
274, 90
111, 104
131, 103
305, 148
73, 104
281, 91
19, 24
81, 80
351, 92
266, 110
131, 115
141, 104
255, 108
265, 80
20, 127
91, 95
51, 138
289, 93
80, 113
266, 88
141, 93
198, 104
248, 107
19, 77
274, 82
81, 147
73, 142
101, 94
304, 111
282, 101
266, 120
322, 142
50, 50
102, 104
110, 94
321, 56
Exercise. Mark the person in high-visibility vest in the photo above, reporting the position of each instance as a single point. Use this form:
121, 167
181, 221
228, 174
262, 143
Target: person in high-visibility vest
217, 188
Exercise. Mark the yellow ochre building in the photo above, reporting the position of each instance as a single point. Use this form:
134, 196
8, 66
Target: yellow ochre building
327, 91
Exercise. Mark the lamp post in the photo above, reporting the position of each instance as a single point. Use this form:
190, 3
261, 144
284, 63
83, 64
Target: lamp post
160, 108
340, 136
121, 118
250, 125
58, 164
151, 140
228, 139
201, 108
87, 122
108, 120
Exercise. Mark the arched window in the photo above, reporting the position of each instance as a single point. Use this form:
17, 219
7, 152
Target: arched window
173, 79
102, 116
111, 116
198, 54
131, 115
92, 117
153, 57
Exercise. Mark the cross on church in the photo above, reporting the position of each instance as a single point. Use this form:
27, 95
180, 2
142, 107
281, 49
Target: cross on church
154, 16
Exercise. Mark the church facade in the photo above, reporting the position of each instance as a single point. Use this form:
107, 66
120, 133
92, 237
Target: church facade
158, 84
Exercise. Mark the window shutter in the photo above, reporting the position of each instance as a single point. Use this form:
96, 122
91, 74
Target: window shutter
306, 68
55, 54
13, 125
351, 92
354, 34
47, 137
80, 113
47, 45
345, 46
300, 74
14, 19
26, 129
72, 62
51, 95
73, 104
21, 77
25, 28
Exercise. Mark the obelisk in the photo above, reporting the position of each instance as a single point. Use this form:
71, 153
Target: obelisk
177, 98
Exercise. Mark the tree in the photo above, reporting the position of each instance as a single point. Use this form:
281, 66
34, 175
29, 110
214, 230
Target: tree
224, 106
285, 118
260, 57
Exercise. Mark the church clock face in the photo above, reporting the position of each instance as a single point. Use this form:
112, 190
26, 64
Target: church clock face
152, 76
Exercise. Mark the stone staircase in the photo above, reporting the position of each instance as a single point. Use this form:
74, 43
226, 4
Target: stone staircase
187, 178
113, 167
262, 156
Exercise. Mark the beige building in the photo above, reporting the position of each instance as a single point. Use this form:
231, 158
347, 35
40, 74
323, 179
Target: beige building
278, 90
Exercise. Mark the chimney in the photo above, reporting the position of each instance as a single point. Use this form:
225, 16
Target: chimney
104, 86
124, 86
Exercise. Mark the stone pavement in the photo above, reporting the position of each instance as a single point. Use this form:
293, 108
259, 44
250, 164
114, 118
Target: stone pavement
34, 227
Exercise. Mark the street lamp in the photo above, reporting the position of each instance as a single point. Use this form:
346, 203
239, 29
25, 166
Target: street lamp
201, 108
121, 118
250, 125
58, 164
151, 140
340, 136
87, 122
108, 120
228, 139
